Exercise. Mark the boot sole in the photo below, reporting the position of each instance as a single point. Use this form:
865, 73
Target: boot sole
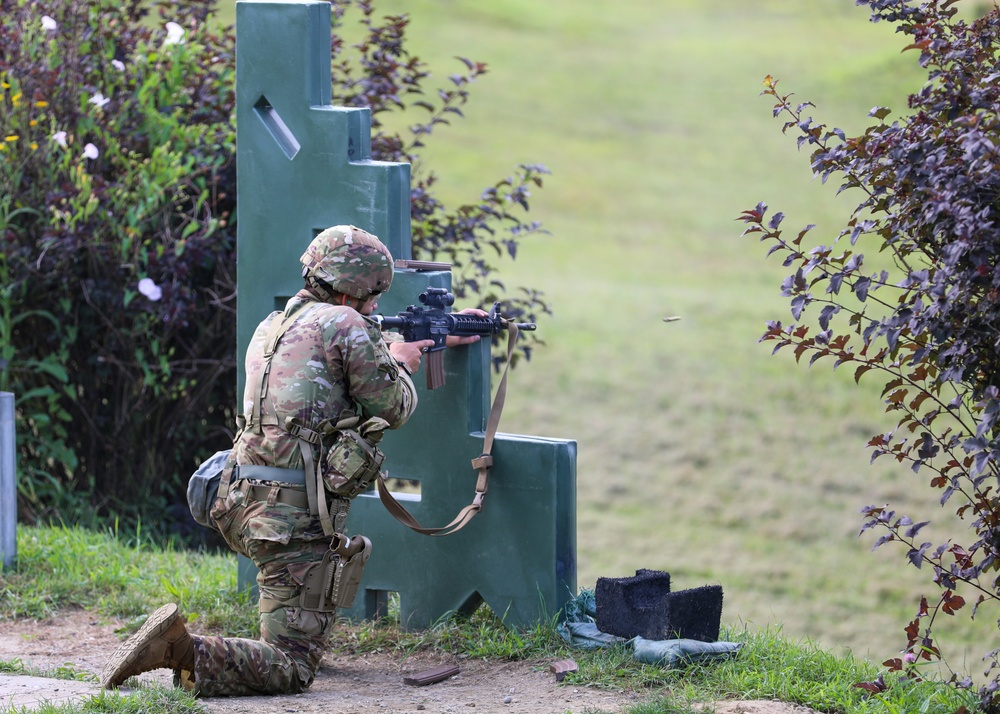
126, 655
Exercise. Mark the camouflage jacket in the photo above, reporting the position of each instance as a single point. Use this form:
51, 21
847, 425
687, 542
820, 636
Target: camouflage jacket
331, 358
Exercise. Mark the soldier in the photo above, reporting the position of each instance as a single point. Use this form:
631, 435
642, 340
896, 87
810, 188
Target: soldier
318, 359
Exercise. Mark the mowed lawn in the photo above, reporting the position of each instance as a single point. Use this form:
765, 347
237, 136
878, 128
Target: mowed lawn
699, 453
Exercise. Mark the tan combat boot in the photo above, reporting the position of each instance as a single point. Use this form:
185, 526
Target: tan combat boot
162, 641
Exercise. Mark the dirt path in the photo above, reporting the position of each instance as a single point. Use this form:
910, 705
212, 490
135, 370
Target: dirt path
363, 684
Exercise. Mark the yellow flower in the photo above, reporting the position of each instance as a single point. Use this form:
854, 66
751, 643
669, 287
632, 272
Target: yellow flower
41, 103
4, 85
16, 99
34, 146
12, 137
33, 122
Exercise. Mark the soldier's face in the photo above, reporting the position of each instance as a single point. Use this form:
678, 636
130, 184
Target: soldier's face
369, 306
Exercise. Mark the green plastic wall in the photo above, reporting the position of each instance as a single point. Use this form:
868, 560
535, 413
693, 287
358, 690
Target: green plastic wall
303, 166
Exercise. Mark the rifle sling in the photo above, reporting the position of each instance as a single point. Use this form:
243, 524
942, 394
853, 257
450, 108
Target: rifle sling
481, 464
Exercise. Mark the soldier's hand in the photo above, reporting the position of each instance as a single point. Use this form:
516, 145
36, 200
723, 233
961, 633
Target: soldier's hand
454, 341
409, 353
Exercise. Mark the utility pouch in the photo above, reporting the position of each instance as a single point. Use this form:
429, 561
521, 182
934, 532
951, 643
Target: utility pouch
333, 582
354, 460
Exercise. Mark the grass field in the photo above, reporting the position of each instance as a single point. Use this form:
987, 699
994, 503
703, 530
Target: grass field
122, 575
699, 452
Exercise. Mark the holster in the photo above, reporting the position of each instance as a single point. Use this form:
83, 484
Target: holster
333, 582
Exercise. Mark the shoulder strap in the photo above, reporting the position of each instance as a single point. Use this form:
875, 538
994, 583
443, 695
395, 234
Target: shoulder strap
275, 331
309, 440
311, 444
481, 464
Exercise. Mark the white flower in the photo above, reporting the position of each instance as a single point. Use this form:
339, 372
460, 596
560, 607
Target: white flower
150, 289
48, 23
118, 64
99, 100
91, 151
175, 34
60, 138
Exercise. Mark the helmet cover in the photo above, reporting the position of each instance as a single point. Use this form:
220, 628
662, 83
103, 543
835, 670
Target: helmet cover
350, 261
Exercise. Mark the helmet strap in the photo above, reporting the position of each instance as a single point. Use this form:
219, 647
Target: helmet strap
320, 289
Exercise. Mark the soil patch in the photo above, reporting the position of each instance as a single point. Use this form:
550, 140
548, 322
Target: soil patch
361, 684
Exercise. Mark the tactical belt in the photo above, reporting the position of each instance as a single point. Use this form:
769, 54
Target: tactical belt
271, 473
274, 494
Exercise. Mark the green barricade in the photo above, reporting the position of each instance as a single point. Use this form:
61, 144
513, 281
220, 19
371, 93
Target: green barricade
303, 166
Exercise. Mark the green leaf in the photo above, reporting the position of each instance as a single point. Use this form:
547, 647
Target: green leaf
49, 366
45, 314
34, 394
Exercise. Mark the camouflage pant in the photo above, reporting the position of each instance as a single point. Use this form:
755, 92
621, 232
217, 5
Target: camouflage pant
282, 541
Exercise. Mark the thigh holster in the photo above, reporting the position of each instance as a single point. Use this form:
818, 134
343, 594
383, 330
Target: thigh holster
333, 582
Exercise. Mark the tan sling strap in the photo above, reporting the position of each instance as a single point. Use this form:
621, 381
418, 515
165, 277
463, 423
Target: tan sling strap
481, 464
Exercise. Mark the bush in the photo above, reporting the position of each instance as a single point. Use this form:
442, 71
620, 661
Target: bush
930, 200
117, 182
117, 266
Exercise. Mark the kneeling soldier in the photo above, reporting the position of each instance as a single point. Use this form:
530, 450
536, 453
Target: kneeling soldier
307, 367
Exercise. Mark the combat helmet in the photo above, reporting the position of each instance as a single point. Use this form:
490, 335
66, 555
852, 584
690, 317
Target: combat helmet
347, 260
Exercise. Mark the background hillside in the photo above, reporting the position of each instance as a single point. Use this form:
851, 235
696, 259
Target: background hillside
699, 452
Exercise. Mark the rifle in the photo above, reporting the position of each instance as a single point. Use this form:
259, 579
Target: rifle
432, 322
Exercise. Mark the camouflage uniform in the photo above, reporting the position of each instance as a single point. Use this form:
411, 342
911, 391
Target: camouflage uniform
330, 359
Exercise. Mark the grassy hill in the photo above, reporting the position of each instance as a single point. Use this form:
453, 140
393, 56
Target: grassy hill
699, 452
